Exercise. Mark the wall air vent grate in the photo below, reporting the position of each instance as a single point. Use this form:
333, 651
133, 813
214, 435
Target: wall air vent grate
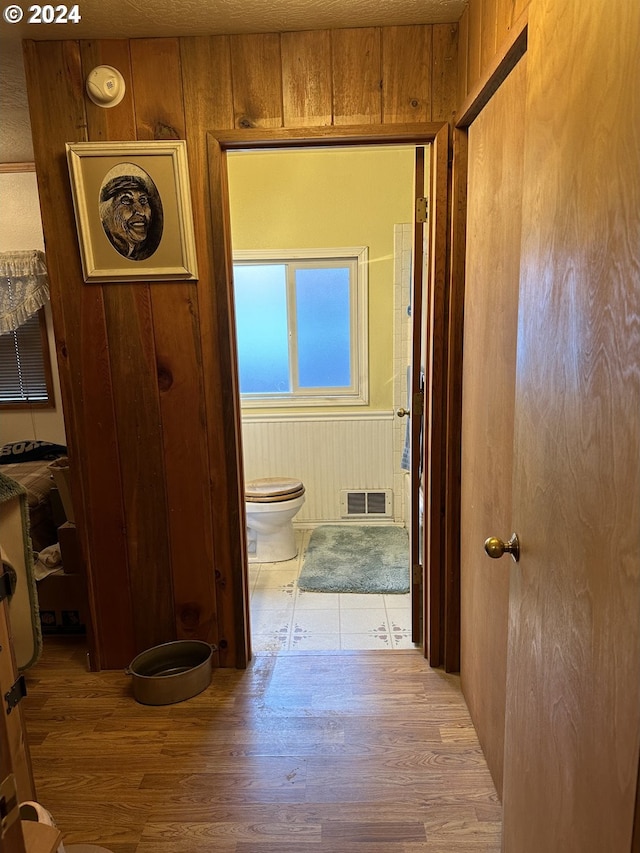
364, 502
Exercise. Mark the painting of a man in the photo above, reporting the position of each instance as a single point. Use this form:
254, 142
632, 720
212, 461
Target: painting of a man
131, 211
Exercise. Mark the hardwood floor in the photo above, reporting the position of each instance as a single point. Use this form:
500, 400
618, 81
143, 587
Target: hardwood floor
343, 752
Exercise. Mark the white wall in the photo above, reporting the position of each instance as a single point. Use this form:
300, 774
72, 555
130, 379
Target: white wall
21, 228
328, 453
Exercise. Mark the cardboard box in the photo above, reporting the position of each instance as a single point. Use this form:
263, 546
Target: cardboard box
70, 549
62, 478
62, 602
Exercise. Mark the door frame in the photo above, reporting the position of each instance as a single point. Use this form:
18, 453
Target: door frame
415, 402
511, 51
435, 434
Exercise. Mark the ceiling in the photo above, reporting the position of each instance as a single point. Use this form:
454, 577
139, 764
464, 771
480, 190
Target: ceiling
153, 18
140, 18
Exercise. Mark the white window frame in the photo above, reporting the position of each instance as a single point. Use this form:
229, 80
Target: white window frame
358, 393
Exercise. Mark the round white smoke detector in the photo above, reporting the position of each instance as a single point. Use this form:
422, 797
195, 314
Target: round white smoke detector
105, 86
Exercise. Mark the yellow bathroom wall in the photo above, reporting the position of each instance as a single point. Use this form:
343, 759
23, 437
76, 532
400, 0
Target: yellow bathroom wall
320, 198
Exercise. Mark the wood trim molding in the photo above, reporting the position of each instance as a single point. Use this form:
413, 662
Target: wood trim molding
367, 134
266, 417
435, 400
512, 50
455, 332
9, 168
235, 623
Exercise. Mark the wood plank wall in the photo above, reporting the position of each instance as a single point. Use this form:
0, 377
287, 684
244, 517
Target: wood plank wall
147, 369
483, 29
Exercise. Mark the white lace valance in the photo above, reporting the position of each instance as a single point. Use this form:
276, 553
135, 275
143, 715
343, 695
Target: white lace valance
24, 287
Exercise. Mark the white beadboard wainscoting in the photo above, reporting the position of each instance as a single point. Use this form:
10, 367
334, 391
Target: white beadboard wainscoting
329, 453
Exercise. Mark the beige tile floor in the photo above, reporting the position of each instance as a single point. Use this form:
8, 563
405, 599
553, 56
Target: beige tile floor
284, 618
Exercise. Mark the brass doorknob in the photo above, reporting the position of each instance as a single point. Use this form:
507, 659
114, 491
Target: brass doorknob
402, 413
495, 547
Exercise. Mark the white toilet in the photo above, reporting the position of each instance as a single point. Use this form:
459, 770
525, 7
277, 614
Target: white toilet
271, 504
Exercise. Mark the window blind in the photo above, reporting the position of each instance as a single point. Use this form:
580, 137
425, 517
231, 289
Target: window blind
23, 376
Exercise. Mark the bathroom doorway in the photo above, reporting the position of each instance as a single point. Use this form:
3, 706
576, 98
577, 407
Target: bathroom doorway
306, 203
426, 578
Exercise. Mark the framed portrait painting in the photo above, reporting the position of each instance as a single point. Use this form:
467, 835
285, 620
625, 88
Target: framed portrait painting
133, 210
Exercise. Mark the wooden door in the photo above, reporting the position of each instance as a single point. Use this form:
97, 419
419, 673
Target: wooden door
573, 687
491, 318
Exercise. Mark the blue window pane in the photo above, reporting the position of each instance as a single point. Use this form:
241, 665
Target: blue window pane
262, 328
323, 323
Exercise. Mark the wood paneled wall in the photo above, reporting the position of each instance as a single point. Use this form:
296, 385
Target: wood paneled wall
147, 369
484, 28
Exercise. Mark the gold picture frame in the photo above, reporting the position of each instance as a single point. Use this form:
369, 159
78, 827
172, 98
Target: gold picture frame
133, 210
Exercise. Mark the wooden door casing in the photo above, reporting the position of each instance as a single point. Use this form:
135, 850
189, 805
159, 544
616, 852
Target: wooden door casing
435, 433
494, 203
435, 341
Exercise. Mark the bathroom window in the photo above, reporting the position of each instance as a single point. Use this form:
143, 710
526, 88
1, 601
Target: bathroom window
301, 326
25, 369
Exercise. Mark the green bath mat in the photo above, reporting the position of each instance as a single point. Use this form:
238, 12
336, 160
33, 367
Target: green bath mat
356, 558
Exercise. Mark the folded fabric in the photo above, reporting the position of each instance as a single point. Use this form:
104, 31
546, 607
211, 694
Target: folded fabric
40, 571
24, 451
47, 562
51, 556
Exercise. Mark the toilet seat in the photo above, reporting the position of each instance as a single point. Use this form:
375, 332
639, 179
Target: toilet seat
273, 490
